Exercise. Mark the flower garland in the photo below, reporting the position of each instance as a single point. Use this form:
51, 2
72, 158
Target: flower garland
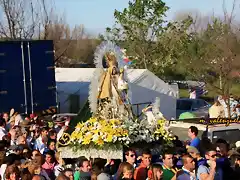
142, 131
98, 133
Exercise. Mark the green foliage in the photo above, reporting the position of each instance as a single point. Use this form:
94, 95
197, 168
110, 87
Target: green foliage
212, 56
147, 37
172, 50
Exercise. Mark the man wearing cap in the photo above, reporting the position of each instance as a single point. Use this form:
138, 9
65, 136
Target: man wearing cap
64, 127
196, 156
14, 149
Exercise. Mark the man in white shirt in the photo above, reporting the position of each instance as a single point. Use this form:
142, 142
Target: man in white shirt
40, 143
187, 171
3, 131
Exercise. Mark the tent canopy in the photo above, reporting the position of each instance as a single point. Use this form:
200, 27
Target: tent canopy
144, 88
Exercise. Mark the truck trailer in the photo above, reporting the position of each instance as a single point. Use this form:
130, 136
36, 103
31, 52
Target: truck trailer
27, 76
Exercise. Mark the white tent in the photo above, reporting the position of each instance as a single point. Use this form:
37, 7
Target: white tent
144, 86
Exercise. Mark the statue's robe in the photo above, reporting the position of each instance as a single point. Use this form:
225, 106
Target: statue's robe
105, 90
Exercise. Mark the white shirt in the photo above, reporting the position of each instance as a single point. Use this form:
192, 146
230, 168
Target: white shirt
2, 170
3, 132
39, 145
192, 174
58, 169
60, 133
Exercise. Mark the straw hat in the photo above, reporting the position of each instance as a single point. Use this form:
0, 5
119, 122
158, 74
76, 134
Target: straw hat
25, 123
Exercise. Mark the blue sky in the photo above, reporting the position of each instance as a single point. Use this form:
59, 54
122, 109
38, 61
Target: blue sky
96, 15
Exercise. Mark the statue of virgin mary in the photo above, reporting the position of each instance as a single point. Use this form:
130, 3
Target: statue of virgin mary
107, 95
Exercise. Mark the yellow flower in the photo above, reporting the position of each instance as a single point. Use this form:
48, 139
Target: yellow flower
79, 136
109, 138
106, 130
86, 141
74, 135
79, 126
92, 120
100, 142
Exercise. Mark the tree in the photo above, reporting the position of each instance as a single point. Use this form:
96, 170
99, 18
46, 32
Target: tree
23, 19
214, 56
143, 32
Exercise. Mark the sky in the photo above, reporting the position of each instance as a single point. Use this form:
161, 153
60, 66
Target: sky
96, 15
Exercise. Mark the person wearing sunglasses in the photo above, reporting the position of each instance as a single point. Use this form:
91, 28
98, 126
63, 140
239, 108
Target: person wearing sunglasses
210, 171
130, 156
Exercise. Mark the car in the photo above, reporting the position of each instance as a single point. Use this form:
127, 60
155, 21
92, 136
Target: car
198, 107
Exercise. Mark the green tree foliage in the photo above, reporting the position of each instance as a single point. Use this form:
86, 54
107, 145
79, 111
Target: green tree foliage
143, 31
213, 56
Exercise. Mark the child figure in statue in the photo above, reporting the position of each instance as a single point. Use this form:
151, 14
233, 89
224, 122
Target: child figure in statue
123, 87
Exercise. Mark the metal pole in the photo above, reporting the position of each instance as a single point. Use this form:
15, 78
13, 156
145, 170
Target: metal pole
24, 80
30, 74
56, 93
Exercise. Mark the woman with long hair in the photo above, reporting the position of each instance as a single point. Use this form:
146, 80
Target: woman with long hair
12, 173
155, 172
125, 171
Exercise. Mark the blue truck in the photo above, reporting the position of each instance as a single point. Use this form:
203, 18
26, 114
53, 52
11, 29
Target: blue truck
27, 76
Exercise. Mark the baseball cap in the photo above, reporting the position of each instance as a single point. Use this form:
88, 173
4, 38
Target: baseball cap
192, 149
15, 148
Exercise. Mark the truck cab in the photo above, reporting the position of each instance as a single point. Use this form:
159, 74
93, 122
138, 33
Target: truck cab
230, 133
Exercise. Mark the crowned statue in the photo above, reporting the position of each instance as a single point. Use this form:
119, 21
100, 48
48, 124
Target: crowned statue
109, 79
112, 97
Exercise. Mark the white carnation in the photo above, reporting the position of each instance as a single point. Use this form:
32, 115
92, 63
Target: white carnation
95, 137
88, 133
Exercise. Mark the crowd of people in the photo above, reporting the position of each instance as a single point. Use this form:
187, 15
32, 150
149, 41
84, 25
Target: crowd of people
28, 151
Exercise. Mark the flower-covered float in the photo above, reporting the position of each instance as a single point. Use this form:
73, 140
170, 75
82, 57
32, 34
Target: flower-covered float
113, 125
